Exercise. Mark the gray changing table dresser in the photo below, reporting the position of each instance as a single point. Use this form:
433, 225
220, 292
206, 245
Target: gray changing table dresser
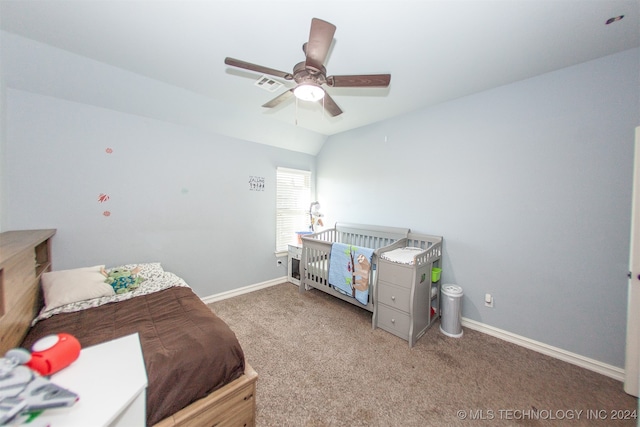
408, 295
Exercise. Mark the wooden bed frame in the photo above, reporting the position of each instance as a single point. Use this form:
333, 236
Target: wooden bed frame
25, 255
232, 405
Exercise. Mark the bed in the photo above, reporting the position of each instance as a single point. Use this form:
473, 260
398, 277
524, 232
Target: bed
188, 385
316, 255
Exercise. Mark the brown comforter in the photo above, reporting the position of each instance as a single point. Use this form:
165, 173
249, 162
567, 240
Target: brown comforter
188, 351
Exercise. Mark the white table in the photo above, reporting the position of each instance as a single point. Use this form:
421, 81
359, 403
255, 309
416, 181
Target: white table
111, 380
294, 253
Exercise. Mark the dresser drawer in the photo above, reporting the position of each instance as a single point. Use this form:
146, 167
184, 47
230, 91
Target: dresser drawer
19, 278
394, 296
394, 321
395, 273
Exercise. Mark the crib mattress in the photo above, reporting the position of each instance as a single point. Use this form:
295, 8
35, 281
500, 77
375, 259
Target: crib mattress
320, 267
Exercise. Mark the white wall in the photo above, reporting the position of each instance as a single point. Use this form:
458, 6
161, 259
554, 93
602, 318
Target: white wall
177, 195
530, 186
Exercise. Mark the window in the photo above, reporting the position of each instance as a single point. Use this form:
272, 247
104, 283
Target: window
293, 197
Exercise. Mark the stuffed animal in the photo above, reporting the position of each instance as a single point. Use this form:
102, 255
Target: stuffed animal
122, 280
362, 270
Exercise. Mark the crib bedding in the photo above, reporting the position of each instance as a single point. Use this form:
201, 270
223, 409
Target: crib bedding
349, 270
188, 351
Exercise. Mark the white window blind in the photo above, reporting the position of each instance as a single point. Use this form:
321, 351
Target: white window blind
293, 197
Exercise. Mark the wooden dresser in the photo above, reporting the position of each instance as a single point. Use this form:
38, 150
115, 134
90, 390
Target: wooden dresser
24, 256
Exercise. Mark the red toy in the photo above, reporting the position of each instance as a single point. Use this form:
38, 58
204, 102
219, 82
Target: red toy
53, 353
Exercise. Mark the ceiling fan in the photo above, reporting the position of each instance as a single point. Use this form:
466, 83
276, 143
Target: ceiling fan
311, 74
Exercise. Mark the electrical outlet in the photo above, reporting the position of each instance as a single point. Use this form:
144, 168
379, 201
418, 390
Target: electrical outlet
488, 300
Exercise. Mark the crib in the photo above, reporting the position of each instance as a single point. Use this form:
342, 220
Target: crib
316, 254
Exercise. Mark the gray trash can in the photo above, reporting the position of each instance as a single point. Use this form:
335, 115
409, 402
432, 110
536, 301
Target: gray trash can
451, 320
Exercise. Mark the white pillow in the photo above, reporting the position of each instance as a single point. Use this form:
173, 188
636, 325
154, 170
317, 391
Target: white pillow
79, 284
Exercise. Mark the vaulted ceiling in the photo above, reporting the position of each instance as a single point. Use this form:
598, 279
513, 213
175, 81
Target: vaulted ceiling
435, 51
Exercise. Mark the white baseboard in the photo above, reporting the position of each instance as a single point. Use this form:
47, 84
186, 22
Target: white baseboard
555, 352
245, 290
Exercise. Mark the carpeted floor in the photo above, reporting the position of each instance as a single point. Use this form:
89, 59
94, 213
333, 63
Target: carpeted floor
321, 364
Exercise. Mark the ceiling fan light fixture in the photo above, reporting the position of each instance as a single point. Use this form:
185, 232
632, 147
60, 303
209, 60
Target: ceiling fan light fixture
308, 92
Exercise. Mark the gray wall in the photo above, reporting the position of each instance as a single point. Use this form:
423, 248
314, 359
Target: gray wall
530, 186
177, 195
2, 134
40, 68
178, 184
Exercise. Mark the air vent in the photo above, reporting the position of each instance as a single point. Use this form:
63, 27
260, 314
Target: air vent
268, 84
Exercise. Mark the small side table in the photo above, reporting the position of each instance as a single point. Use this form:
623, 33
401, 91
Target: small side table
293, 264
111, 380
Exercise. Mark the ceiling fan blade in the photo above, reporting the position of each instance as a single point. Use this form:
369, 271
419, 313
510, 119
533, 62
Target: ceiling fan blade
330, 105
364, 80
320, 38
258, 68
279, 99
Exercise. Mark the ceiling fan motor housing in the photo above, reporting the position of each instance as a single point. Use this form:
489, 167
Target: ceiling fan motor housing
304, 74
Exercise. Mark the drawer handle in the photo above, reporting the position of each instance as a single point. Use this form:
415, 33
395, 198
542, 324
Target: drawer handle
393, 298
393, 320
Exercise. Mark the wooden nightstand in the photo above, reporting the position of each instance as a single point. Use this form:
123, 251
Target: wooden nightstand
111, 380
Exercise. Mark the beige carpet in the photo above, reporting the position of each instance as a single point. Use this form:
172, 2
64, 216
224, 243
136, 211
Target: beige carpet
320, 364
